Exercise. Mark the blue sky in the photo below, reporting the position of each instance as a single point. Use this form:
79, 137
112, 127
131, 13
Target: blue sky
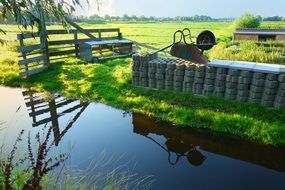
172, 8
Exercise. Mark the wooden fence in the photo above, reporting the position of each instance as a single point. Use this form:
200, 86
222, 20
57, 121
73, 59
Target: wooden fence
36, 57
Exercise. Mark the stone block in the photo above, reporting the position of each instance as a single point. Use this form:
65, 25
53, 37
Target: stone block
279, 106
244, 87
220, 89
178, 78
211, 69
208, 81
221, 77
136, 73
231, 85
231, 91
168, 87
169, 77
218, 94
271, 84
243, 80
201, 68
209, 88
188, 79
267, 103
210, 75
219, 83
281, 78
190, 73
222, 71
232, 79
242, 65
233, 72
254, 101
247, 74
243, 93
255, 95
281, 93
280, 100
241, 98
200, 74
143, 74
160, 71
259, 76
272, 77
267, 68
199, 80
256, 89
159, 76
220, 63
269, 91
268, 97
230, 96
258, 82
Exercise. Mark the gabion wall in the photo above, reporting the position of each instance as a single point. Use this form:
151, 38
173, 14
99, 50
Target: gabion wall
245, 82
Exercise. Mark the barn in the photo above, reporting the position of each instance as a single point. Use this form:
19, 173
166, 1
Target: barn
257, 34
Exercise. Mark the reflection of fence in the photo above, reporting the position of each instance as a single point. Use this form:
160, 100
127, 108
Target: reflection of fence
47, 110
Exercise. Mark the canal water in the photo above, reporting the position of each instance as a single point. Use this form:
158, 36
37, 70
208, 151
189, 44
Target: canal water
175, 157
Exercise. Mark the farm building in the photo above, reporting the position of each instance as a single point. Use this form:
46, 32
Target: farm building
257, 34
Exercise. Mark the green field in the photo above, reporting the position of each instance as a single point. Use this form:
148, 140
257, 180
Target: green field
110, 83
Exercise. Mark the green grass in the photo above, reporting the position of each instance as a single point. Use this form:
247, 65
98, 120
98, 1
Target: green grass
110, 83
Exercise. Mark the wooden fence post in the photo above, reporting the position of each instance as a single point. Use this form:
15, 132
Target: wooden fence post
24, 53
76, 44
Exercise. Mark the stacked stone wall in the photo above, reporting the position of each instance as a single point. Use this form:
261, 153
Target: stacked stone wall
242, 81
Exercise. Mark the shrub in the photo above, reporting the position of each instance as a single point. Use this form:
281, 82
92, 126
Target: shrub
248, 20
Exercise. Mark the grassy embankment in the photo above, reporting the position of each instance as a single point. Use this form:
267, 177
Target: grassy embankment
110, 83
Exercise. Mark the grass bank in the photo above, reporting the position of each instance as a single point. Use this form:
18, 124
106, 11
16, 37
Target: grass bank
110, 83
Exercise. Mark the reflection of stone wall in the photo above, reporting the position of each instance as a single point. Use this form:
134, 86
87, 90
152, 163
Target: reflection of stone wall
243, 81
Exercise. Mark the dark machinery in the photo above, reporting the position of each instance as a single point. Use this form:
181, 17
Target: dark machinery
185, 48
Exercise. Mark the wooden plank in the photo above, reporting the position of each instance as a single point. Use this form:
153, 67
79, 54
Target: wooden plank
25, 49
80, 29
105, 30
66, 42
61, 52
30, 60
76, 47
32, 72
27, 35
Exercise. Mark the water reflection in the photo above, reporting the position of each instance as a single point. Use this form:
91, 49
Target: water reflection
178, 142
45, 109
190, 143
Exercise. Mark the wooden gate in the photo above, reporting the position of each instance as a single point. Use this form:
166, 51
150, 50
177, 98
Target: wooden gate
34, 57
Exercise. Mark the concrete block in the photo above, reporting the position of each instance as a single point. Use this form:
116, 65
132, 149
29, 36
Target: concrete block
281, 78
178, 78
254, 101
159, 76
231, 85
269, 91
243, 93
200, 74
272, 77
199, 80
209, 88
267, 103
279, 106
143, 74
258, 82
233, 72
136, 73
219, 83
242, 65
256, 89
188, 79
271, 84
231, 91
267, 68
190, 73
232, 79
179, 72
241, 99
210, 75
220, 89
282, 86
220, 63
211, 69
208, 81
243, 80
280, 100
255, 95
247, 74
244, 87
268, 97
281, 93
259, 76
222, 71
221, 77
